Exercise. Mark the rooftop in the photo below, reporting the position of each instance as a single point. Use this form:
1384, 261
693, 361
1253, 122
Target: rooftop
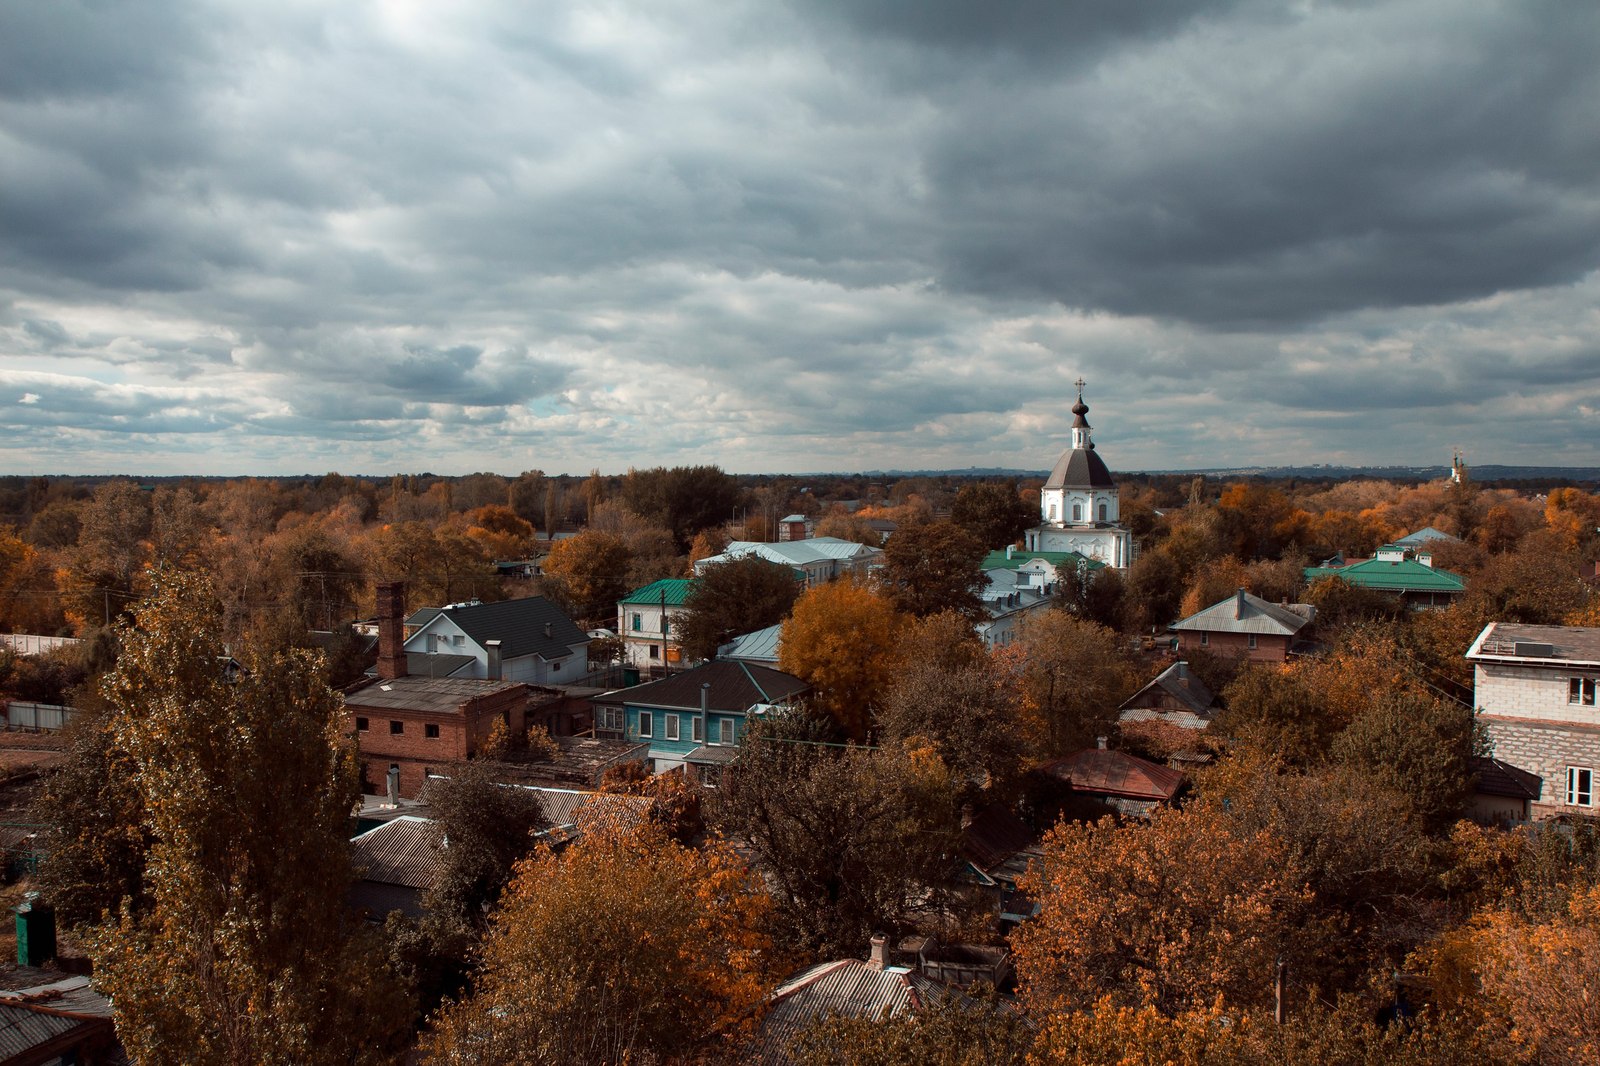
674, 591
1508, 642
1246, 613
433, 695
403, 851
734, 687
1391, 575
851, 988
519, 625
1116, 773
1012, 558
1178, 682
759, 647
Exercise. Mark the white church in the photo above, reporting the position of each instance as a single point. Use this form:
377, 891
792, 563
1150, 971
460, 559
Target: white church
1078, 504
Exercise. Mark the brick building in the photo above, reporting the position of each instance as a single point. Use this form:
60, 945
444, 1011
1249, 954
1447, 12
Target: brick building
1535, 690
410, 725
1244, 626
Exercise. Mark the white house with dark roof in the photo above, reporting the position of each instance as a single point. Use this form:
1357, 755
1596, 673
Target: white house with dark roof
1537, 693
529, 640
1078, 506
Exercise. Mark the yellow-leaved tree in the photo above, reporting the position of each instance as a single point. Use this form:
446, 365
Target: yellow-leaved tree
626, 947
841, 638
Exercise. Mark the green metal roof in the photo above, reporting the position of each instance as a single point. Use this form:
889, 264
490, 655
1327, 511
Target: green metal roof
1400, 575
676, 590
998, 560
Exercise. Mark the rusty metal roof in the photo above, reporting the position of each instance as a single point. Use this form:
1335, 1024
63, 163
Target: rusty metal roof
851, 987
1116, 773
404, 851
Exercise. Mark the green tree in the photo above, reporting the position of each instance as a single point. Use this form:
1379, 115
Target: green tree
930, 567
684, 499
489, 827
967, 713
246, 953
625, 948
735, 597
1418, 746
994, 513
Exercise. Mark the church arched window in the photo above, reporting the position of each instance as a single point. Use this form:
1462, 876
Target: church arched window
1102, 512
1077, 512
1052, 512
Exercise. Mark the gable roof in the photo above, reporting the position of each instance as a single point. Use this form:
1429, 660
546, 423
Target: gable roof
1425, 535
675, 589
797, 553
849, 987
994, 836
1180, 683
1244, 613
519, 626
758, 647
403, 851
1116, 773
1391, 575
1496, 778
735, 688
1012, 559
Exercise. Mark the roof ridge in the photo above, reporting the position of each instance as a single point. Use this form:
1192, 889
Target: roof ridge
763, 692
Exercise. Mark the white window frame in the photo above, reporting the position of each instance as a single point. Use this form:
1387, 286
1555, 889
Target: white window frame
1581, 690
671, 732
697, 730
725, 731
1580, 786
647, 725
611, 718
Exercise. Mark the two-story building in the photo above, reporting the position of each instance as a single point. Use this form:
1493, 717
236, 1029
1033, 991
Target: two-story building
530, 640
697, 717
647, 622
1537, 693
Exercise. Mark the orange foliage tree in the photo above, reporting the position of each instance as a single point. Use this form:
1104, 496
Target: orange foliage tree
625, 948
841, 639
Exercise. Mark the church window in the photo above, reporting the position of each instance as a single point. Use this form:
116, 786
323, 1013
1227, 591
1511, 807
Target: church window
1077, 512
1052, 512
1102, 512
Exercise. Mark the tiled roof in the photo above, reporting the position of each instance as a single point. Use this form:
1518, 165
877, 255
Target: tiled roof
1496, 778
404, 851
436, 695
1391, 575
1116, 773
758, 647
1178, 682
676, 590
1244, 613
851, 988
519, 626
735, 687
1506, 641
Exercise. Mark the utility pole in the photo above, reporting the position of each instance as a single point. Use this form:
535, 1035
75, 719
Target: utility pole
665, 664
1278, 986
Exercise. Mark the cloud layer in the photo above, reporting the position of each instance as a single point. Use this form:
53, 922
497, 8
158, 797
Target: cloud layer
244, 238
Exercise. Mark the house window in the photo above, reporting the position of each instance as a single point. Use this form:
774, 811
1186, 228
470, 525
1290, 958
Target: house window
1205, 638
725, 731
431, 731
638, 622
655, 652
361, 725
647, 724
1252, 639
555, 668
1052, 512
611, 718
666, 624
697, 730
459, 641
396, 728
672, 727
1580, 786
1581, 690
710, 776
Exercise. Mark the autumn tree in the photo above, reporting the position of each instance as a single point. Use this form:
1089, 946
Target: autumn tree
1072, 675
1275, 710
489, 827
1154, 591
246, 953
946, 640
588, 573
840, 639
735, 597
966, 712
684, 499
104, 574
930, 567
994, 513
28, 599
1418, 746
951, 1030
851, 838
624, 948
846, 526
502, 533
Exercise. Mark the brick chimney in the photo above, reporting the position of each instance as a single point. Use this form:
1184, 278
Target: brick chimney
878, 959
391, 630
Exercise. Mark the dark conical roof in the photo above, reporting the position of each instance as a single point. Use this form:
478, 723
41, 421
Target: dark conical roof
1080, 468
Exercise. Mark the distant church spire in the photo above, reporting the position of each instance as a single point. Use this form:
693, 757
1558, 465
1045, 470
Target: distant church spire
1080, 425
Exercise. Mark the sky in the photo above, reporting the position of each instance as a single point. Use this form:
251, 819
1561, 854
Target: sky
826, 235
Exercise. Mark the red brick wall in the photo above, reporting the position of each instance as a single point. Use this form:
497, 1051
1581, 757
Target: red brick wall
460, 735
1267, 650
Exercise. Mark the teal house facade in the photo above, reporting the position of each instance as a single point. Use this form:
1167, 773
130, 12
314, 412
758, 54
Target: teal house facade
698, 717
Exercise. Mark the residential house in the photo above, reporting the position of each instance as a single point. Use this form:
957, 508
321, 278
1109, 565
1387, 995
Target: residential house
1009, 595
397, 862
997, 848
1502, 794
758, 647
530, 640
646, 620
1044, 567
1245, 626
1174, 697
1425, 536
1403, 571
406, 724
1124, 782
697, 717
48, 1017
819, 559
1537, 693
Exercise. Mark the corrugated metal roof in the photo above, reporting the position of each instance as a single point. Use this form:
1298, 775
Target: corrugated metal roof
794, 552
758, 647
1244, 613
41, 1013
1426, 535
1116, 773
1179, 683
1004, 560
1391, 575
852, 988
404, 851
586, 810
994, 836
676, 590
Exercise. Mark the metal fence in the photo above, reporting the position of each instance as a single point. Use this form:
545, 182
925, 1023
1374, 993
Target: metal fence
37, 717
